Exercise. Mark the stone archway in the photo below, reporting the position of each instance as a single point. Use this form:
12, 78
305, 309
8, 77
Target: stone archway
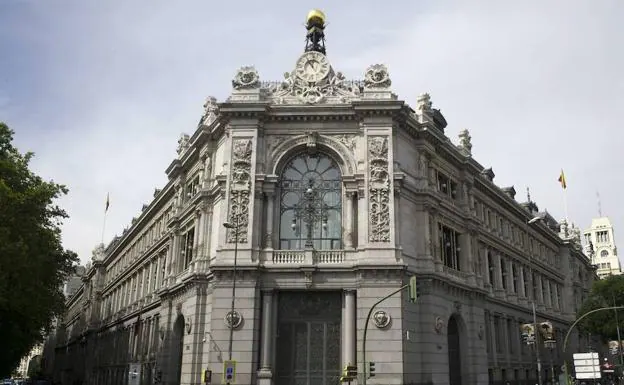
176, 343
454, 337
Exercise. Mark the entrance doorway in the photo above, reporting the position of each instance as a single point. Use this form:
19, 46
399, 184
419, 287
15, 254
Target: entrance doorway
177, 342
454, 351
308, 338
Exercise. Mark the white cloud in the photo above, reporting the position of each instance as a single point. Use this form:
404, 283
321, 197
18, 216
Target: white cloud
101, 90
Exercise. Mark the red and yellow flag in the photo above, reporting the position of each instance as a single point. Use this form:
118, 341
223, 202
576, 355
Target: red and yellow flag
562, 180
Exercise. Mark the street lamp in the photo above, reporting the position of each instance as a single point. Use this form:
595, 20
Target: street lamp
537, 355
232, 322
310, 210
549, 343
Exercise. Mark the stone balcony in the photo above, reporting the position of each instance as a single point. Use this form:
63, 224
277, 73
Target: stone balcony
305, 257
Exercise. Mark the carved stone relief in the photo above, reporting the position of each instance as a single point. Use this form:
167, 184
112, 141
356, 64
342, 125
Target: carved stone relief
309, 139
183, 144
377, 76
348, 141
379, 190
273, 141
240, 189
313, 83
211, 110
246, 77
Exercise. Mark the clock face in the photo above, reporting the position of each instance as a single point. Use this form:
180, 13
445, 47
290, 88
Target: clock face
604, 253
312, 67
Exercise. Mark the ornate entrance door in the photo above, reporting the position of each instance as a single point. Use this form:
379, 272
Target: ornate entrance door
308, 338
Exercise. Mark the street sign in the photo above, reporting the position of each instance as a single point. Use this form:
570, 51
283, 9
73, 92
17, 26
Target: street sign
134, 374
229, 372
586, 365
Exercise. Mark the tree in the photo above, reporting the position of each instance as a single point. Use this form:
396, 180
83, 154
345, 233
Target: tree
33, 263
606, 292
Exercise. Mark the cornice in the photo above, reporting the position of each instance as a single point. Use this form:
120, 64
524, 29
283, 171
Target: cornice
147, 254
229, 110
161, 200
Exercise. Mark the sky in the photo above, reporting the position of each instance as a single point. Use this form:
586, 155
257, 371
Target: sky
102, 90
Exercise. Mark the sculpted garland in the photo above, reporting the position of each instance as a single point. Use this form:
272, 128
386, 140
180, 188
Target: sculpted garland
240, 188
378, 190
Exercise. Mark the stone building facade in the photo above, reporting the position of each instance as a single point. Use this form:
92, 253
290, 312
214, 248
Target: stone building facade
335, 192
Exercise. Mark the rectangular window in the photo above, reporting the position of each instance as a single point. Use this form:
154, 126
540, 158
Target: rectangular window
488, 332
192, 187
443, 183
187, 247
527, 291
491, 271
511, 334
498, 334
449, 243
514, 277
504, 272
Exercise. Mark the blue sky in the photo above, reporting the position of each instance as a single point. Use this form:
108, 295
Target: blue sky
101, 90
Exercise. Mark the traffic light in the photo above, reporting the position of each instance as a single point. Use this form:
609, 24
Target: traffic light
371, 369
206, 376
349, 373
413, 289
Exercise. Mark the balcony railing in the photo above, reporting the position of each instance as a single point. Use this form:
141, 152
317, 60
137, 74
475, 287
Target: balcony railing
306, 257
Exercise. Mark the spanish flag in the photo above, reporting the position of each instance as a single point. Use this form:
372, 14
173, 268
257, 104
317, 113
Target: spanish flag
107, 202
562, 180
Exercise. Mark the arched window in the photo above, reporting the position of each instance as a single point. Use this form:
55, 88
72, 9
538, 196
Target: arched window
311, 203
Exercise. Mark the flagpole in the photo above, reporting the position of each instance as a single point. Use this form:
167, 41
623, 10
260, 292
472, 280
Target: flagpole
104, 225
105, 215
565, 205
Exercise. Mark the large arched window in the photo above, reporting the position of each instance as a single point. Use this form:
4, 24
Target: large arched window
311, 204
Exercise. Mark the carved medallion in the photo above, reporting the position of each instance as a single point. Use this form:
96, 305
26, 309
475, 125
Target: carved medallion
381, 319
246, 77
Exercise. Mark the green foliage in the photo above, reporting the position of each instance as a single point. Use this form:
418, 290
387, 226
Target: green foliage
33, 263
605, 293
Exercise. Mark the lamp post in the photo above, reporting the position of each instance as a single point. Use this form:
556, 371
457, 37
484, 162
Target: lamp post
309, 210
236, 228
535, 330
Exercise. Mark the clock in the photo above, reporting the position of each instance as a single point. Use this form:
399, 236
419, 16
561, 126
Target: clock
604, 253
312, 67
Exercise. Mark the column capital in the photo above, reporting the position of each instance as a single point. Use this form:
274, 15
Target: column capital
349, 291
268, 291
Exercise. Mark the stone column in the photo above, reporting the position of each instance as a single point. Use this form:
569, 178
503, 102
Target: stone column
510, 277
196, 235
348, 222
349, 351
465, 253
548, 295
200, 232
266, 339
257, 221
270, 196
436, 250
172, 256
540, 291
499, 290
397, 215
486, 263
